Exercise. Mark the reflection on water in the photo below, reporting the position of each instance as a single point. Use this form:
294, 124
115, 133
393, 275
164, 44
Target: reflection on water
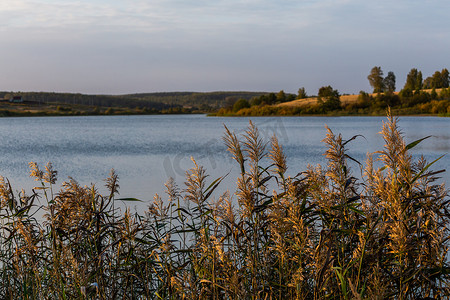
146, 150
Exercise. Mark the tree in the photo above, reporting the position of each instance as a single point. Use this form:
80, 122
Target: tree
256, 101
302, 93
271, 99
363, 99
290, 97
389, 82
281, 96
437, 81
413, 80
376, 79
445, 78
240, 104
328, 98
427, 83
434, 94
229, 102
419, 81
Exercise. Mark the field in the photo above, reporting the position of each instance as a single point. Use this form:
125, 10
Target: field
345, 99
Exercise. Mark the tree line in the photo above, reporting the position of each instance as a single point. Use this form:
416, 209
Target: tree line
440, 79
164, 102
414, 98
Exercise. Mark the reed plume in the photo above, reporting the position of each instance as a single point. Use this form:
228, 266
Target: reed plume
322, 233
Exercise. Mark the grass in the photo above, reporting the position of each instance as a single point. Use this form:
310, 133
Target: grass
323, 234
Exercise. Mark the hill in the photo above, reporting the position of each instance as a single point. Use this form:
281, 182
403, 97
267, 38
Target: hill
192, 101
200, 100
345, 99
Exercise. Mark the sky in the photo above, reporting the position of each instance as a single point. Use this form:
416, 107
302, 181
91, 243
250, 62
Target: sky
134, 46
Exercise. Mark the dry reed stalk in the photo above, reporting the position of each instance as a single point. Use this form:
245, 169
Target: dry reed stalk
321, 234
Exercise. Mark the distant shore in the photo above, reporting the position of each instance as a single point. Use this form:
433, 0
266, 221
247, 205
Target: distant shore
425, 102
34, 109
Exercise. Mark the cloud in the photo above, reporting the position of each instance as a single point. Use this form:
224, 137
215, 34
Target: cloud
147, 15
246, 41
201, 16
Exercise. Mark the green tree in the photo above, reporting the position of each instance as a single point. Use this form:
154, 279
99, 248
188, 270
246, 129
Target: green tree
445, 93
328, 98
436, 80
271, 99
433, 94
413, 80
301, 93
229, 102
363, 99
281, 96
405, 93
256, 101
240, 104
445, 78
427, 83
389, 82
290, 97
376, 79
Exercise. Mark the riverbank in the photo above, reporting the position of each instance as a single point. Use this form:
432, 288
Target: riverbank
288, 111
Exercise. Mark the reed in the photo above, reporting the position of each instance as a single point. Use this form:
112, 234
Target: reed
322, 234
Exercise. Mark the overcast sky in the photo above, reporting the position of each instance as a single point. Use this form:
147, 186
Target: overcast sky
127, 46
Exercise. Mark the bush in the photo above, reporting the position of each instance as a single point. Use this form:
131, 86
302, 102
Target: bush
328, 99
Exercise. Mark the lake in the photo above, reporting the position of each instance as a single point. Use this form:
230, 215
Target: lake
146, 150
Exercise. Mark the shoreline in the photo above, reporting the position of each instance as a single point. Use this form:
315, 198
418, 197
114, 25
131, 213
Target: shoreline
15, 114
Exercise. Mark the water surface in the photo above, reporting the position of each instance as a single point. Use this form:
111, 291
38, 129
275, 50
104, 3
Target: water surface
146, 150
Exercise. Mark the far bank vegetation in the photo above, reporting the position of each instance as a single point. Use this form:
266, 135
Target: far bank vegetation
69, 104
429, 96
421, 97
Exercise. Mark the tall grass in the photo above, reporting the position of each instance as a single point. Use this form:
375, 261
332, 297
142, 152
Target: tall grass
323, 234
